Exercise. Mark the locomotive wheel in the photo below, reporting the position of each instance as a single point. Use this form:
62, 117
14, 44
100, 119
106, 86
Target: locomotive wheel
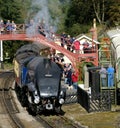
21, 95
18, 91
58, 109
32, 110
24, 99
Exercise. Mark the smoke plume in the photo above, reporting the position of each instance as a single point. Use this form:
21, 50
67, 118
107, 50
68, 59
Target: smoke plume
46, 12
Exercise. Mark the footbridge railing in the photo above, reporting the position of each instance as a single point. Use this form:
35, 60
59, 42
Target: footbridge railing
20, 34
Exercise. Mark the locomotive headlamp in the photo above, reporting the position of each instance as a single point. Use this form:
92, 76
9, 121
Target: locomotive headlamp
61, 93
36, 100
61, 100
61, 97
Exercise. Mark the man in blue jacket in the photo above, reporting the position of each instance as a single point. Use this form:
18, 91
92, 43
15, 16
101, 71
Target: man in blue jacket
110, 72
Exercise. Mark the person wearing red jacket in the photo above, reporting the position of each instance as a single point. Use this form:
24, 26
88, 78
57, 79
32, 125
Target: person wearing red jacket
74, 78
76, 45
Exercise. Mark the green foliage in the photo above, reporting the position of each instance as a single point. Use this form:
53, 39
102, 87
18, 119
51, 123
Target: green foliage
83, 11
79, 12
114, 13
11, 10
80, 67
77, 28
8, 66
10, 48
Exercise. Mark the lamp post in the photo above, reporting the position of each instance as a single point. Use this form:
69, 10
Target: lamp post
93, 30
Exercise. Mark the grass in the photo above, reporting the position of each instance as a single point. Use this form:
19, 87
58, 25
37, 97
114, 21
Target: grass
109, 119
6, 66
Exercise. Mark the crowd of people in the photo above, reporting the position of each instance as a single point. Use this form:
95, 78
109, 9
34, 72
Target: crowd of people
68, 42
71, 77
69, 74
34, 27
9, 27
74, 45
31, 27
39, 27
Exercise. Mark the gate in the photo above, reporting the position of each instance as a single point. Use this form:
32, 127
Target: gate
100, 102
71, 97
94, 102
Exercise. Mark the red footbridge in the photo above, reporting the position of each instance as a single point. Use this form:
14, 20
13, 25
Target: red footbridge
73, 57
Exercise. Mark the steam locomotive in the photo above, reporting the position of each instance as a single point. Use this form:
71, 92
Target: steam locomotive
38, 80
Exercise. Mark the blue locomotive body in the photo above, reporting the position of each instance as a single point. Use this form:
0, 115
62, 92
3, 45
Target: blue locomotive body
38, 81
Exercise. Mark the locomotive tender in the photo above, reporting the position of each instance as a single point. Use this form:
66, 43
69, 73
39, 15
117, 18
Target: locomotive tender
38, 80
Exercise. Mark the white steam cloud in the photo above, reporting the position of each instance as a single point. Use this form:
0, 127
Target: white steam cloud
46, 11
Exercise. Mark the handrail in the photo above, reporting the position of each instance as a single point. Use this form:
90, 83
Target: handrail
21, 33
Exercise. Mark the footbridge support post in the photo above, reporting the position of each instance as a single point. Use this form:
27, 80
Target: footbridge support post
1, 55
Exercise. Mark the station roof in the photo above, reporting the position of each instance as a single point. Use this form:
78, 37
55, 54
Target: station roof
80, 37
113, 33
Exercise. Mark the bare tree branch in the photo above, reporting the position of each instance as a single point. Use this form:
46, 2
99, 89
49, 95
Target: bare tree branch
96, 7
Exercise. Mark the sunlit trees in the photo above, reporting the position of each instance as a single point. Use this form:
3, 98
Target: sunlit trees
11, 10
114, 13
80, 13
107, 11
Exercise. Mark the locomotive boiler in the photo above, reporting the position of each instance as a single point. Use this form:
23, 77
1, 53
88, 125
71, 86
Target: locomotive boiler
38, 80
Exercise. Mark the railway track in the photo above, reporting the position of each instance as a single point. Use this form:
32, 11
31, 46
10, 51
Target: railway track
9, 108
7, 103
55, 121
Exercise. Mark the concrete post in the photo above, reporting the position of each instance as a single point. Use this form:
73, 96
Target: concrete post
86, 78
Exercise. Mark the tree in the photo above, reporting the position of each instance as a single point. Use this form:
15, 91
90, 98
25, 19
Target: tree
10, 10
107, 11
26, 4
114, 13
10, 47
99, 9
14, 10
79, 14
